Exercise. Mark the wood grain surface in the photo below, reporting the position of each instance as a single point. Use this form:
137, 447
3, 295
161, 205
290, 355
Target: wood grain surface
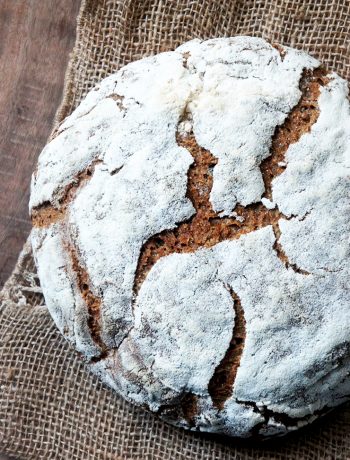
36, 37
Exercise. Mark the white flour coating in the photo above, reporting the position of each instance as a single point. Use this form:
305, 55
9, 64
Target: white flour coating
111, 235
316, 187
62, 297
168, 342
175, 365
255, 91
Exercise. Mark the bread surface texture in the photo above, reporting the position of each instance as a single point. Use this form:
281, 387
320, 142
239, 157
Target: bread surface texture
191, 232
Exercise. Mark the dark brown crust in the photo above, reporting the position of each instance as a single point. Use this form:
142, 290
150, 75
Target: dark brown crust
185, 409
206, 228
189, 408
298, 122
221, 384
93, 303
47, 214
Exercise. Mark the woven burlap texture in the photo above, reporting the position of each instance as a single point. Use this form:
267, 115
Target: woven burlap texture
50, 406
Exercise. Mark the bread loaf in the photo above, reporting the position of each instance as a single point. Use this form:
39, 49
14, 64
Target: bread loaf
191, 233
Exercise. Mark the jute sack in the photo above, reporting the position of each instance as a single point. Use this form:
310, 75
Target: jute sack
50, 406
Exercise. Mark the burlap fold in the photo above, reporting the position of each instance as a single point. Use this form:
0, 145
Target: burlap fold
50, 406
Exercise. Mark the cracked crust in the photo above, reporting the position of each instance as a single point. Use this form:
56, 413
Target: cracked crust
221, 384
185, 409
206, 228
279, 418
92, 302
299, 121
181, 226
47, 214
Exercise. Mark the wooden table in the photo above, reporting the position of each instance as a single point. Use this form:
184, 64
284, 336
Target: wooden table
36, 37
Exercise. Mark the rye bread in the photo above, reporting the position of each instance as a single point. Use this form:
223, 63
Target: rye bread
191, 235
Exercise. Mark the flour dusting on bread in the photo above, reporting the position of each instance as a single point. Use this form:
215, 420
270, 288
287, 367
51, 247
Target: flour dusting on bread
191, 231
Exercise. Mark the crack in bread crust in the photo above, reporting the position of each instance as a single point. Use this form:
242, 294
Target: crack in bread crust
185, 409
221, 384
47, 214
279, 417
299, 121
206, 228
282, 255
93, 303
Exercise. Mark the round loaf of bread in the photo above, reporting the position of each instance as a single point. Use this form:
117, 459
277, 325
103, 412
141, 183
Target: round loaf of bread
191, 233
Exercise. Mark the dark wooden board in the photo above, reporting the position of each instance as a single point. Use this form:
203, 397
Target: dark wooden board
36, 37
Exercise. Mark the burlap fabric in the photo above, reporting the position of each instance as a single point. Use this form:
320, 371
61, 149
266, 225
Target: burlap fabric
50, 406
